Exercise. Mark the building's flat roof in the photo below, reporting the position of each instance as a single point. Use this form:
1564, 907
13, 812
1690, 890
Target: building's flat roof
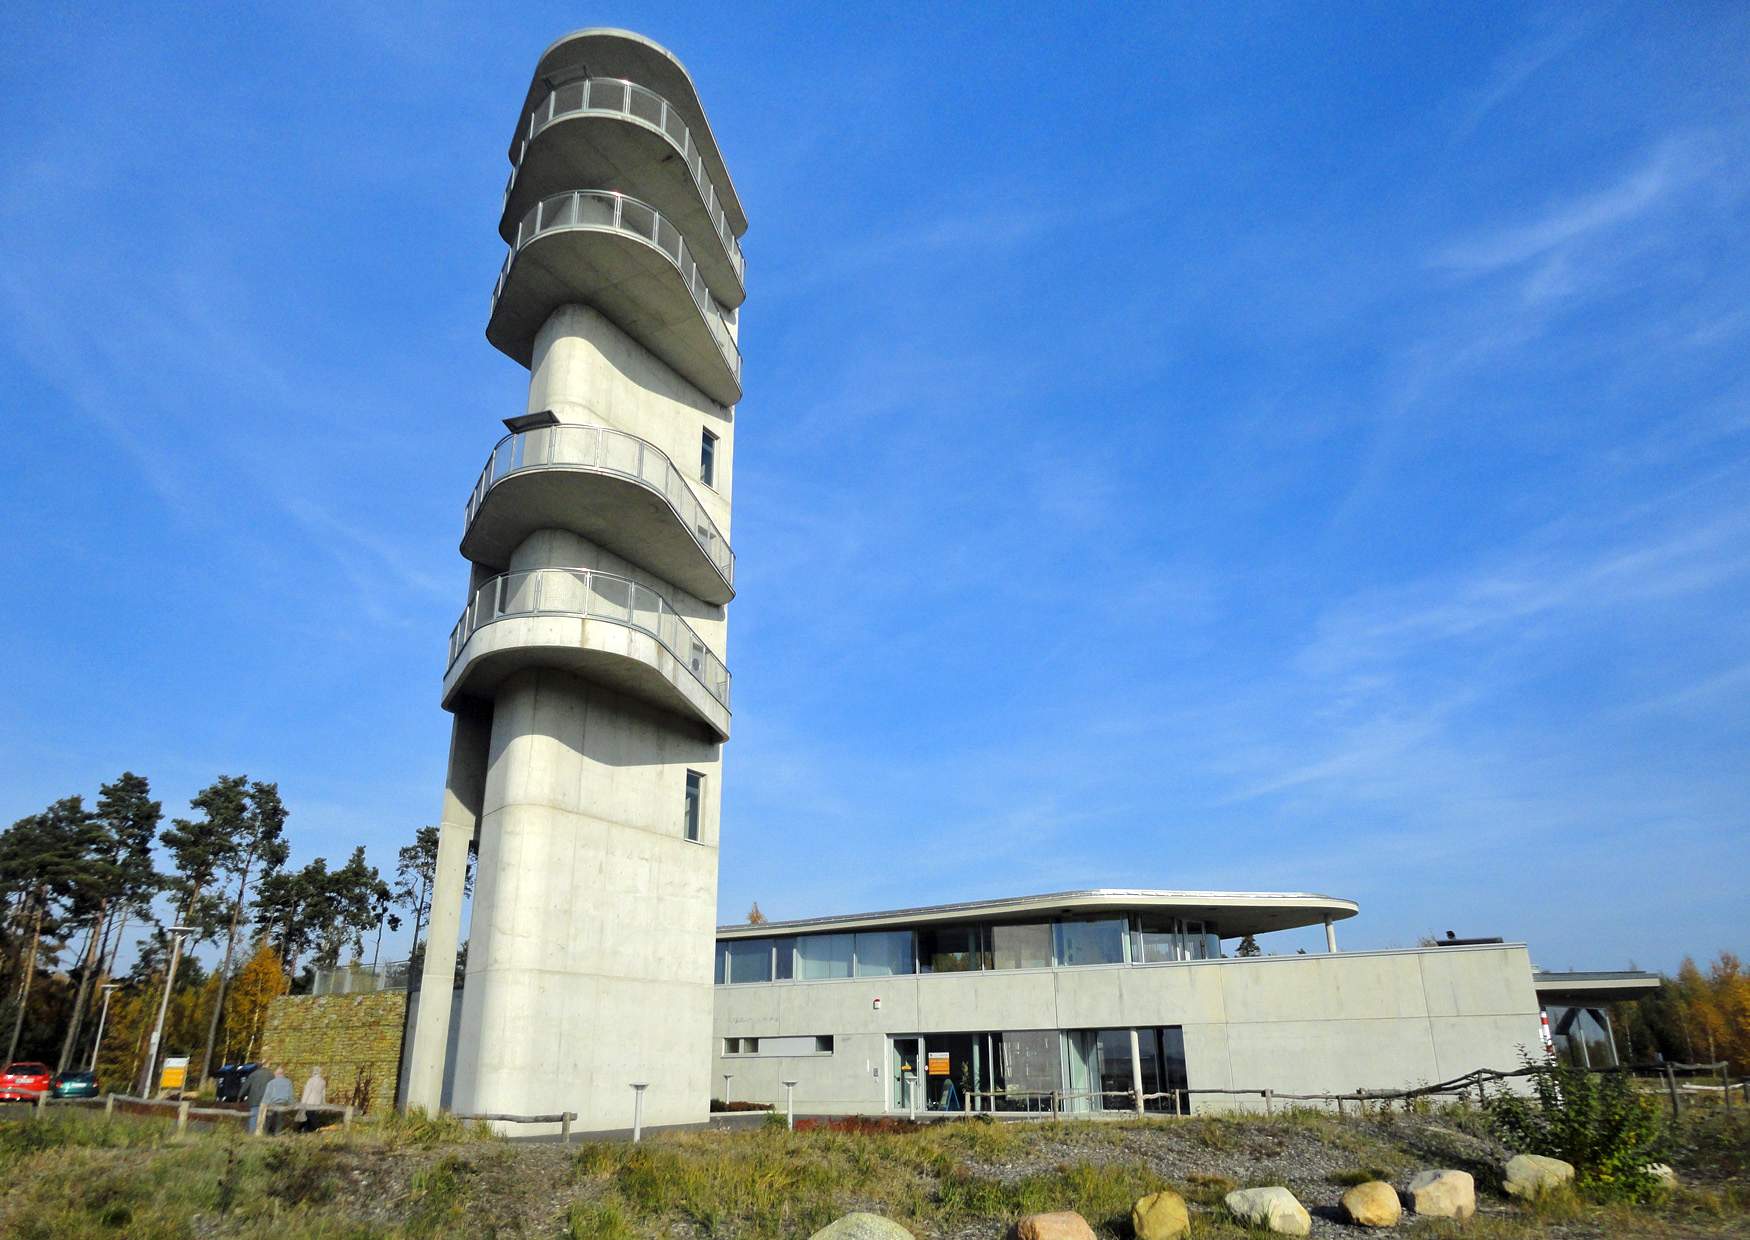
607, 52
1235, 913
1579, 989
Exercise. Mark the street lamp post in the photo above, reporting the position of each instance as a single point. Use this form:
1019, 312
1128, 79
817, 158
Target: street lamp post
176, 936
109, 989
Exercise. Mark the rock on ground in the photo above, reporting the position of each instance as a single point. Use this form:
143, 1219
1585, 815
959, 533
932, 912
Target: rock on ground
1659, 1171
1373, 1204
1528, 1176
1274, 1208
862, 1226
1443, 1194
1062, 1225
1160, 1216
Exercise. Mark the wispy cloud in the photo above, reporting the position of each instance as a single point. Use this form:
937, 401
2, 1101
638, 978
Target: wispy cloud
1671, 166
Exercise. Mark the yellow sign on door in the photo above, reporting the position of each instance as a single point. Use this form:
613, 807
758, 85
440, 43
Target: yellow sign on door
938, 1063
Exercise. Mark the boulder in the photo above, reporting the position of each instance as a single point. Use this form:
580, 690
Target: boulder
1061, 1225
862, 1226
1373, 1204
1443, 1194
1275, 1209
1160, 1216
1530, 1176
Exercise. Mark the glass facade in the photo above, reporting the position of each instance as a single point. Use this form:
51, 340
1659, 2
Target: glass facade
952, 949
823, 955
1021, 946
1146, 938
1091, 942
884, 953
1076, 1070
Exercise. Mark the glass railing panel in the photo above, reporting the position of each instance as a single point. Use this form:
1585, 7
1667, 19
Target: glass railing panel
607, 95
568, 98
668, 237
612, 598
595, 211
637, 218
646, 106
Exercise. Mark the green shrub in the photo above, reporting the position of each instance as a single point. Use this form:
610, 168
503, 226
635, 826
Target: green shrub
1594, 1120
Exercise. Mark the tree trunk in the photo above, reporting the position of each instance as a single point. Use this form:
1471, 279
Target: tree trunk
224, 971
36, 934
92, 955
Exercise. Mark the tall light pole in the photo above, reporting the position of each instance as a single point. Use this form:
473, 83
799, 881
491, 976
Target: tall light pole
176, 937
109, 989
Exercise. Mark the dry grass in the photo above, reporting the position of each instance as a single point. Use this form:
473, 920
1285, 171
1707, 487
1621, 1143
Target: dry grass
76, 1176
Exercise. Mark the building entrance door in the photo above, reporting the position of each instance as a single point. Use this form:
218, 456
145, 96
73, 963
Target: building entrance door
906, 1070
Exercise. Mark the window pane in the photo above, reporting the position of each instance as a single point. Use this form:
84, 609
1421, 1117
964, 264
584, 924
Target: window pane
951, 949
717, 971
1090, 942
884, 954
708, 458
784, 958
695, 789
750, 960
823, 955
1021, 947
1156, 940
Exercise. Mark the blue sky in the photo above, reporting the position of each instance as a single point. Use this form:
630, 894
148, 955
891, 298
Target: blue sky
1294, 447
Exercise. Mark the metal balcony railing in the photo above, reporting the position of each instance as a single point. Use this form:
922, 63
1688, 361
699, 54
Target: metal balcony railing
616, 97
598, 596
605, 211
600, 449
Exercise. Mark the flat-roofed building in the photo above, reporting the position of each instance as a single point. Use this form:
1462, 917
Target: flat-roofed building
1088, 999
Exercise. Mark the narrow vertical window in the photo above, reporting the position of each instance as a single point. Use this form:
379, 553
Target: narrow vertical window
695, 794
708, 458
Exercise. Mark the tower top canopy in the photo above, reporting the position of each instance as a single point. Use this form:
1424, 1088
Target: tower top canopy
609, 53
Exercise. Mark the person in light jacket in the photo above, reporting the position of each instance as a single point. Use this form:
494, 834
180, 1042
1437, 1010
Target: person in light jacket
315, 1094
279, 1093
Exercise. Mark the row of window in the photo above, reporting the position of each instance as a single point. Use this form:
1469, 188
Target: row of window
803, 1044
964, 949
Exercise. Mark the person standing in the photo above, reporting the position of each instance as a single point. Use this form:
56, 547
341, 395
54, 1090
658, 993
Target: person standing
315, 1094
278, 1093
254, 1088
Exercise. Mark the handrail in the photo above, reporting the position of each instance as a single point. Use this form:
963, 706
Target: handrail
601, 210
585, 446
618, 97
597, 595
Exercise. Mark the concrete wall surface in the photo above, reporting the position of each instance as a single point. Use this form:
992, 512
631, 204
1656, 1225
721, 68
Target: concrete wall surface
1329, 1023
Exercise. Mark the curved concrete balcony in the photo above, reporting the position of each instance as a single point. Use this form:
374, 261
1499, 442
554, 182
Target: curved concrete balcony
613, 488
619, 255
599, 625
631, 134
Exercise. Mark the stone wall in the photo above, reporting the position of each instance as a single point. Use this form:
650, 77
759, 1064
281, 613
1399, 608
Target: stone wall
356, 1039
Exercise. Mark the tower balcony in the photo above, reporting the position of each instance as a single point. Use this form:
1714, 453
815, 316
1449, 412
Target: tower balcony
596, 128
601, 626
613, 488
619, 255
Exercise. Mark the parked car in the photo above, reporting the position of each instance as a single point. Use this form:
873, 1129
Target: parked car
25, 1081
75, 1085
232, 1080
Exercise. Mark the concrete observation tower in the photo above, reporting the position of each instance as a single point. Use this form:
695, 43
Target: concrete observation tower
586, 675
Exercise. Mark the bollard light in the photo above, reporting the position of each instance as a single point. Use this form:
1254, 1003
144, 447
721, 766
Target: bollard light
638, 1088
789, 1104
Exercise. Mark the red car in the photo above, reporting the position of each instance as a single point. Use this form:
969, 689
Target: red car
25, 1082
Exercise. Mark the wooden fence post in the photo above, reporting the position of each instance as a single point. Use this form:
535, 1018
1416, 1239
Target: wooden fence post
1671, 1085
1269, 1102
109, 1105
182, 1117
565, 1127
346, 1116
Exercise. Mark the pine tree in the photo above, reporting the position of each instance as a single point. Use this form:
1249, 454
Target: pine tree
258, 848
43, 860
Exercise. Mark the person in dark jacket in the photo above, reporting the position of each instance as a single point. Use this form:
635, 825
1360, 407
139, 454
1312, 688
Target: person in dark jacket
254, 1091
